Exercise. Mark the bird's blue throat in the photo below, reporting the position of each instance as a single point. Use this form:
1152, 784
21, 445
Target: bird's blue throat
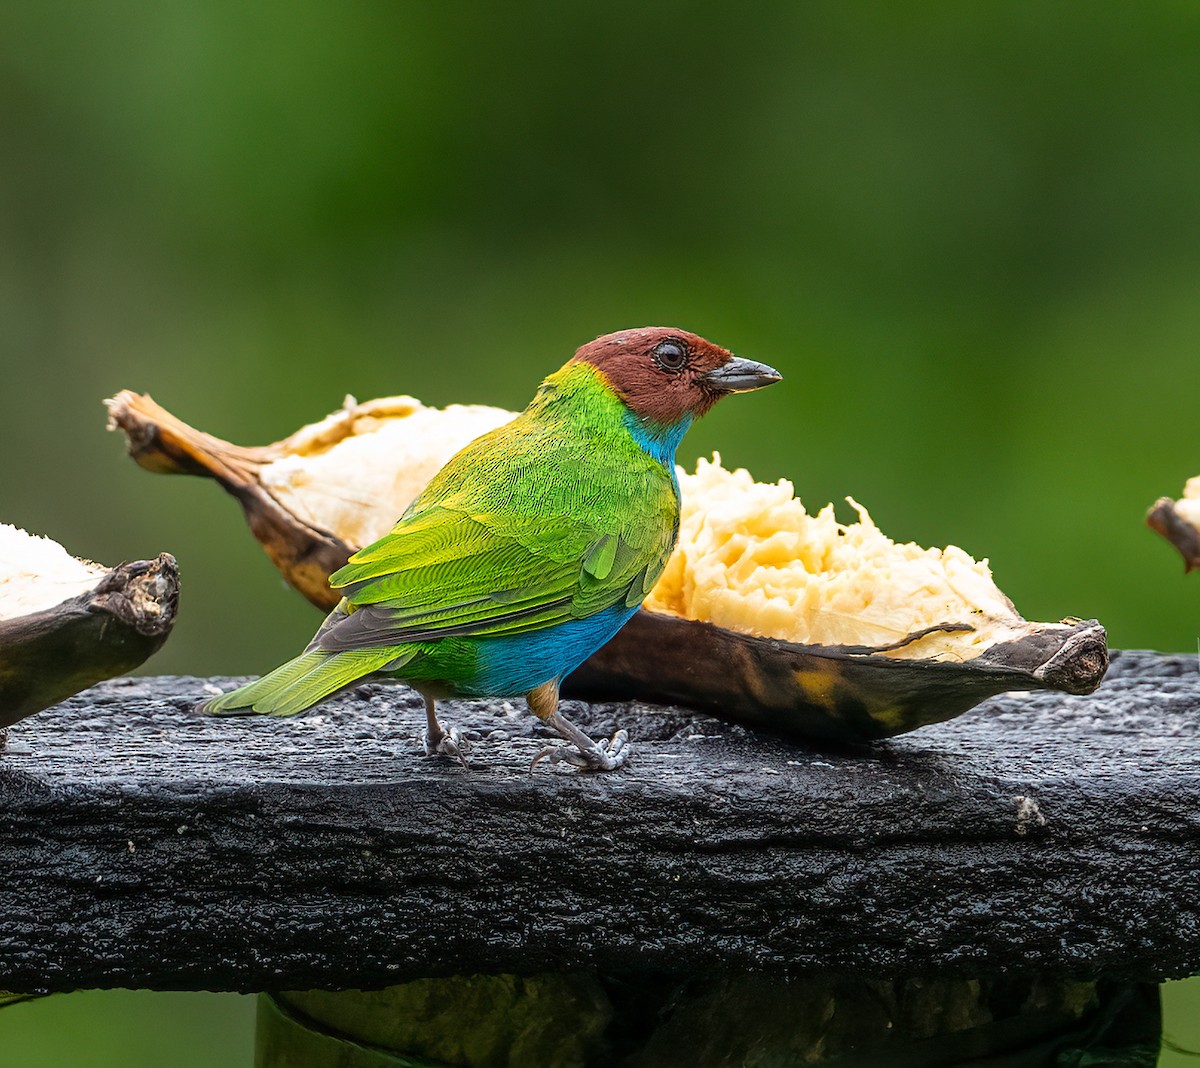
658, 440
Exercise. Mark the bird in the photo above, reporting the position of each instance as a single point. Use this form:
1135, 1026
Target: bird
527, 551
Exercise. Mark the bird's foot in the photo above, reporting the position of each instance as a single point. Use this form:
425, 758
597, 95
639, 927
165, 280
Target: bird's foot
588, 755
442, 742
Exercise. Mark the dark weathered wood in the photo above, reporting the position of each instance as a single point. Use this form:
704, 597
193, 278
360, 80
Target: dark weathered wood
141, 845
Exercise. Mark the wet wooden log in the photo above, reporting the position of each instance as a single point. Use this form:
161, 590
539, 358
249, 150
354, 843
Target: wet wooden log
142, 845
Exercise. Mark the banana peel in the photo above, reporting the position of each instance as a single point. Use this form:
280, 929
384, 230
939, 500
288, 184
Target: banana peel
833, 693
67, 624
317, 496
725, 631
1179, 522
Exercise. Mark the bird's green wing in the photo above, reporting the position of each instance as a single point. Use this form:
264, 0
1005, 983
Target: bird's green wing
536, 523
446, 573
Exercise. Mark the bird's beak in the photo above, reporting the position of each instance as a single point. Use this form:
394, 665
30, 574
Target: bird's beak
736, 375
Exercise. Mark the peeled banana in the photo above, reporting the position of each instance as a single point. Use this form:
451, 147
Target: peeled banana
66, 624
764, 614
1179, 522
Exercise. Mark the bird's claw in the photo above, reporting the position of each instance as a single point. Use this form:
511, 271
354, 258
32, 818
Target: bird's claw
452, 743
556, 754
593, 757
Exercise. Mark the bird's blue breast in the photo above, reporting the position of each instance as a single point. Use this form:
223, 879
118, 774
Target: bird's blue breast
515, 664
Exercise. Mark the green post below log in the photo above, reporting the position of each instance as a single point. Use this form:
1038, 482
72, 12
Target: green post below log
580, 1020
471, 1021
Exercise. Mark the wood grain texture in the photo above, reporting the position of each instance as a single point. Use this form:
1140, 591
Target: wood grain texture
142, 845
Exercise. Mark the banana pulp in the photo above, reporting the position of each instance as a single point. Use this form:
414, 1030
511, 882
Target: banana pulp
1188, 506
355, 472
36, 573
751, 559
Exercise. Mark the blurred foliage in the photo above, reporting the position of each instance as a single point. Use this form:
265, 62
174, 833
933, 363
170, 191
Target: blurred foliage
1181, 1024
969, 235
129, 1029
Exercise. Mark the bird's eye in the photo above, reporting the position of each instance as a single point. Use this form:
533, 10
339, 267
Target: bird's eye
671, 354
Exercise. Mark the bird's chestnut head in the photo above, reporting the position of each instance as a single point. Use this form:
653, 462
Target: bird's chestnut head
665, 375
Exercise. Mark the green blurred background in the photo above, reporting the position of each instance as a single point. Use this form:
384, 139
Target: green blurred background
969, 236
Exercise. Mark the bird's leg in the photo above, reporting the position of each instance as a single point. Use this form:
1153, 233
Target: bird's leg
589, 755
439, 740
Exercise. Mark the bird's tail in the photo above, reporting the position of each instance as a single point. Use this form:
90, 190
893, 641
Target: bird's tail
302, 682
